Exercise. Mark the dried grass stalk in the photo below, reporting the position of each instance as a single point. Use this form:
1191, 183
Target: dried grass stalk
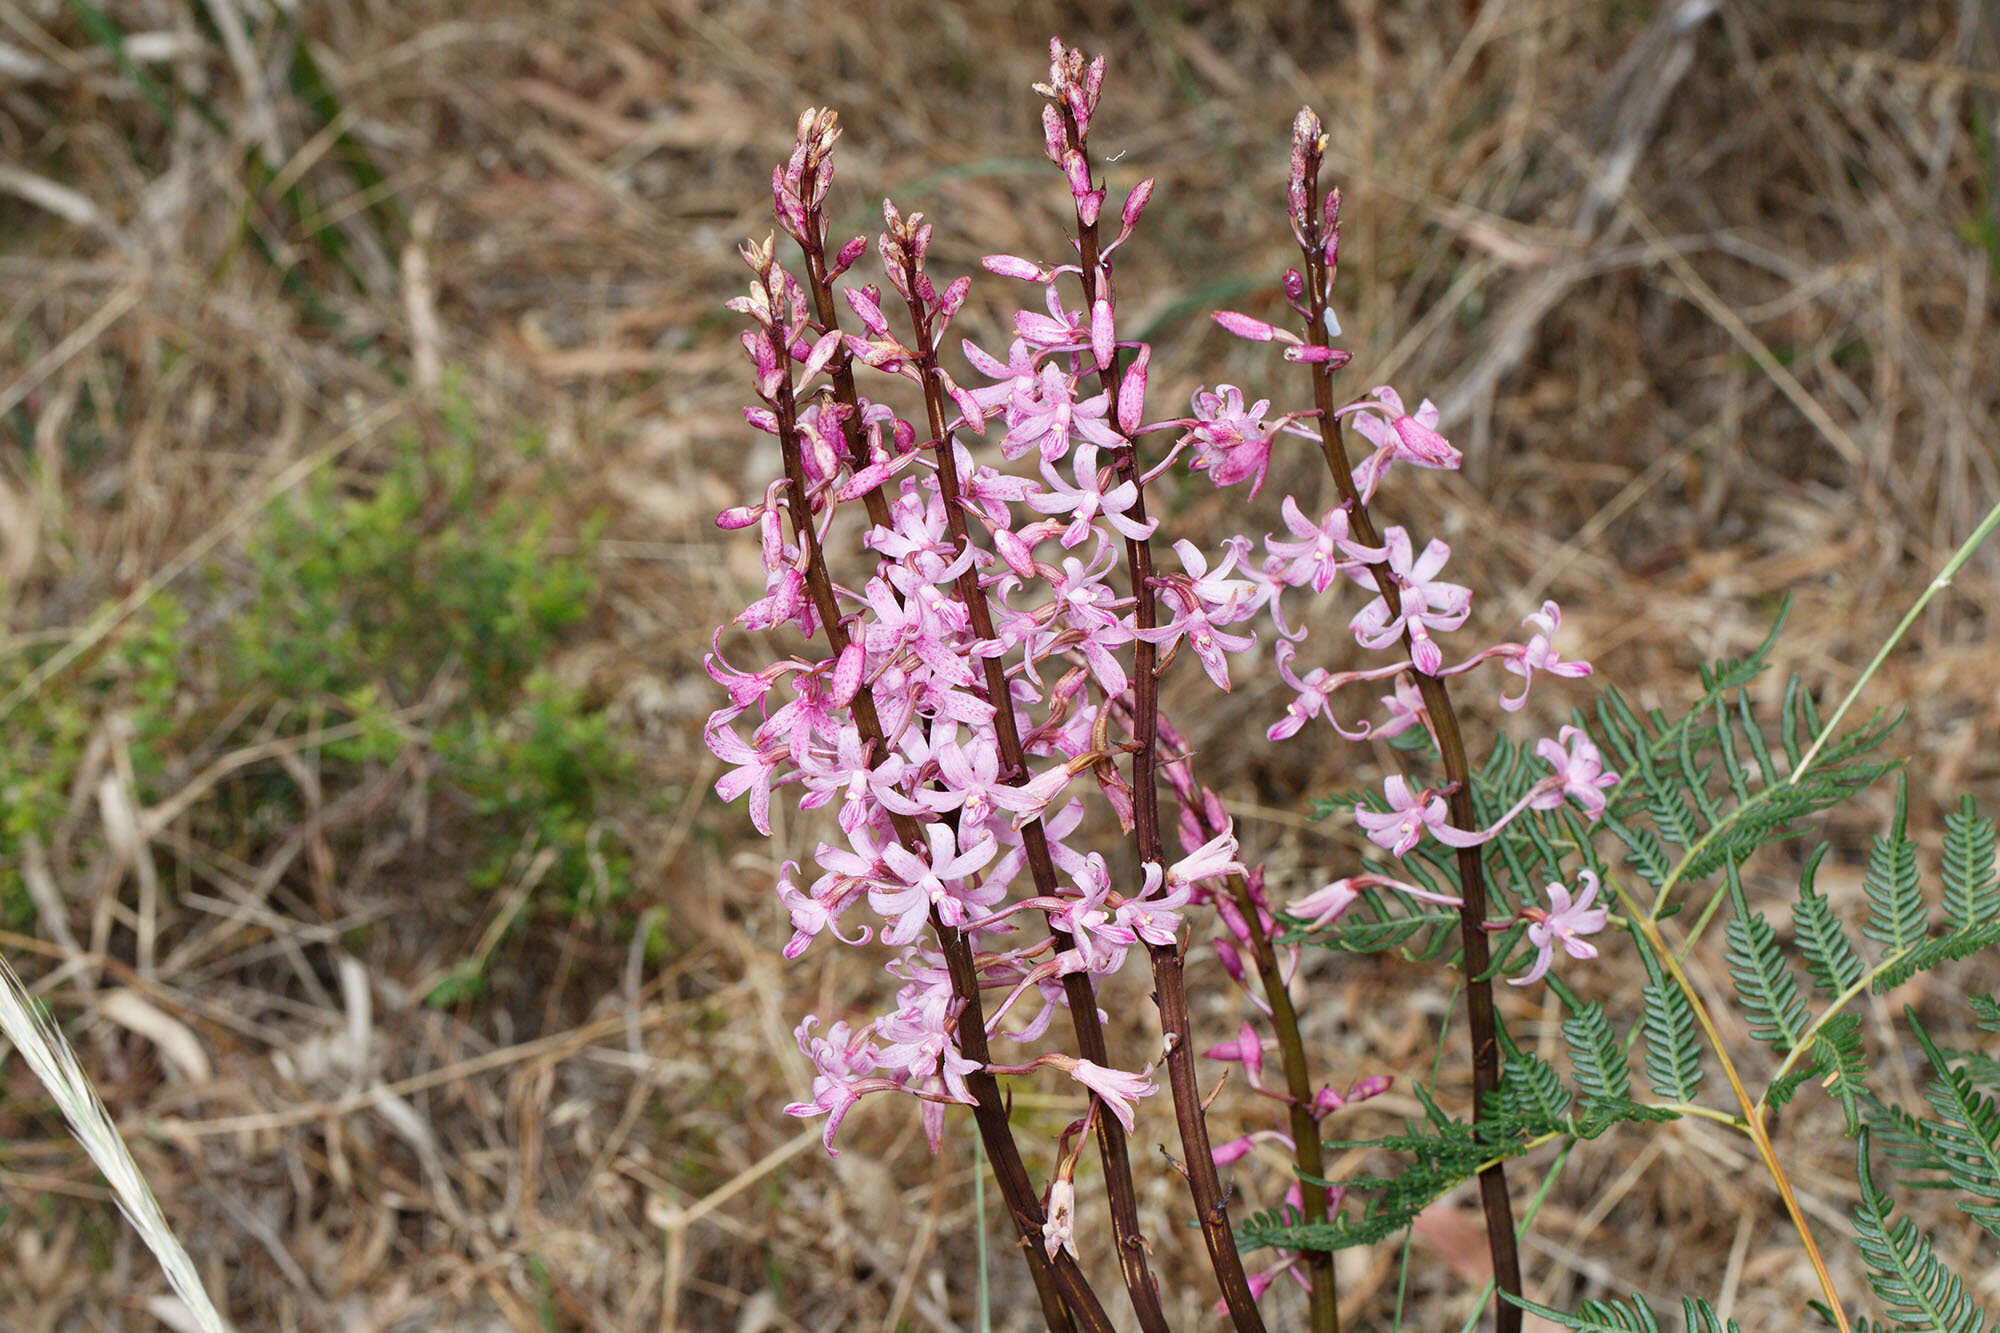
49, 1054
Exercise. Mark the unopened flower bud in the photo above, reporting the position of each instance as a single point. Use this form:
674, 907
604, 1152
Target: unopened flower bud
1243, 326
1135, 203
954, 297
1132, 391
1332, 357
1059, 1230
867, 304
850, 252
1013, 266
1102, 331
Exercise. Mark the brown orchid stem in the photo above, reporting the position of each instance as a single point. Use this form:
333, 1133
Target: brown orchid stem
1067, 1301
1308, 1154
1077, 988
1169, 971
1493, 1196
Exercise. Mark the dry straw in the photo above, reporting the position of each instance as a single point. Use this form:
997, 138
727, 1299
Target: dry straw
49, 1054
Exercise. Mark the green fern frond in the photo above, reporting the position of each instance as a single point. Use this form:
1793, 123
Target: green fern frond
1531, 1093
1596, 1056
1838, 1061
1985, 1012
1971, 880
1786, 1087
1830, 957
1763, 980
1596, 1316
1930, 953
1530, 1107
1706, 789
1702, 1318
1903, 1268
1373, 925
1905, 1144
1631, 1315
1841, 1065
1644, 852
1897, 917
1965, 1138
1673, 1053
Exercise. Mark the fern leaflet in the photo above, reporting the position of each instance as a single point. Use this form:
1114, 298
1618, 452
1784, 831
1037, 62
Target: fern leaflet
1763, 979
1830, 957
1919, 1291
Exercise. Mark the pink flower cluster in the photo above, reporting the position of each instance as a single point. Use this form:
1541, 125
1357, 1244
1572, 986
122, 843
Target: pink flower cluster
962, 683
975, 690
1409, 605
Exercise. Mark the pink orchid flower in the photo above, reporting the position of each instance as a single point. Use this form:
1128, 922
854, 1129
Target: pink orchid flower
1565, 922
1538, 654
1428, 603
1580, 770
1398, 436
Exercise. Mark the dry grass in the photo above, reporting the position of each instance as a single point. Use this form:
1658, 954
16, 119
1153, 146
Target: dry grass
1713, 316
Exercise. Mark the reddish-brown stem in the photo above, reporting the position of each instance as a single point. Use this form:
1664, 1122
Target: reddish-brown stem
1323, 1301
1324, 1298
1493, 1198
1169, 975
1066, 1298
1077, 988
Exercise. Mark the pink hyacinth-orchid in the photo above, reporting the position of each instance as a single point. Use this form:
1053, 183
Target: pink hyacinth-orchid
1207, 599
843, 1062
1096, 494
813, 913
1539, 654
1327, 904
1005, 629
1313, 693
1231, 443
1427, 603
1399, 436
1117, 1089
1410, 815
1405, 709
1565, 922
1318, 552
1413, 814
755, 768
1580, 775
913, 886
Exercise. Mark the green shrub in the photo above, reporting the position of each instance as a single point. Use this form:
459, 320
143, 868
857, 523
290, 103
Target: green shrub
420, 606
